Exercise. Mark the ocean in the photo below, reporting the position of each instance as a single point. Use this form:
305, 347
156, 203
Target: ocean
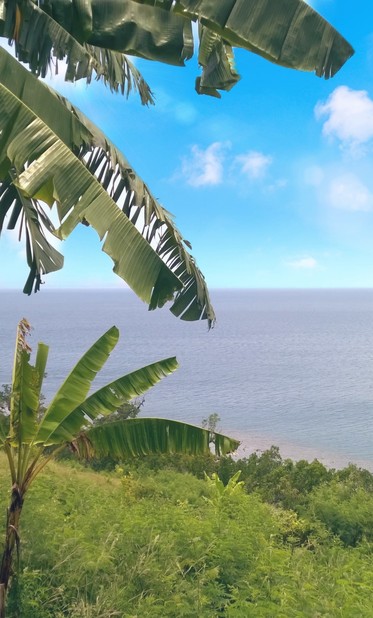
293, 368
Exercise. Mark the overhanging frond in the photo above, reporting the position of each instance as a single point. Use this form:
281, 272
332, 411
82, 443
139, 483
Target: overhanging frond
133, 437
91, 181
41, 41
45, 166
287, 32
217, 60
125, 26
42, 257
118, 72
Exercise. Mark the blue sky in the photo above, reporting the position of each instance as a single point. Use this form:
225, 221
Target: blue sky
272, 184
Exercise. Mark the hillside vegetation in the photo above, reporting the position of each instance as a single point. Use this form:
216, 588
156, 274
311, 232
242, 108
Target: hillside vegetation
141, 542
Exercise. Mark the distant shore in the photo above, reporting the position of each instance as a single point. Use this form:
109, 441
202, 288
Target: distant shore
251, 443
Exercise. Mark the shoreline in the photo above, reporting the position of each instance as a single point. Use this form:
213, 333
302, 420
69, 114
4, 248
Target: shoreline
253, 442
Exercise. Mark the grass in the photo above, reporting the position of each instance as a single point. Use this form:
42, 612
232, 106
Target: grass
167, 544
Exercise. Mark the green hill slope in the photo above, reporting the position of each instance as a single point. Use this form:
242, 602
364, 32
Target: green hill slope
167, 544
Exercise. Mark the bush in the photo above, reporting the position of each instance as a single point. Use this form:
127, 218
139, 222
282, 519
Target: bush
346, 509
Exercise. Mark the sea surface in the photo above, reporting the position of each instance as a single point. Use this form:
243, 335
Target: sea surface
293, 368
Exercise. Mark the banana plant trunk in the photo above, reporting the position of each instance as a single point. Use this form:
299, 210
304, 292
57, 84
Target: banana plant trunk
11, 542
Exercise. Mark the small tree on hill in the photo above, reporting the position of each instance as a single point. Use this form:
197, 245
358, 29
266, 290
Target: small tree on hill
31, 440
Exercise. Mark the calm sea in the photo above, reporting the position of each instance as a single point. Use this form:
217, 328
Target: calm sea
291, 368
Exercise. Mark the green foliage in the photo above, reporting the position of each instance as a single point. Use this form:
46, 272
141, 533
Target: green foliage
346, 510
278, 481
321, 499
167, 544
282, 482
128, 409
5, 393
211, 422
34, 435
256, 537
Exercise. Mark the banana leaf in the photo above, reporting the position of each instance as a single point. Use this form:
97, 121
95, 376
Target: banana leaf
287, 32
41, 256
75, 388
106, 400
40, 42
142, 436
56, 154
26, 386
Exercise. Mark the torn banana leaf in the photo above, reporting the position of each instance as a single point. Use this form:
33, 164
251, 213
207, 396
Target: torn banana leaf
51, 152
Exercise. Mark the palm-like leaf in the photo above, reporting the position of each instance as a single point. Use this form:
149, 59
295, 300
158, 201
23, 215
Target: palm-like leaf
26, 386
287, 32
119, 25
42, 257
58, 154
133, 437
41, 42
66, 425
217, 59
75, 388
117, 72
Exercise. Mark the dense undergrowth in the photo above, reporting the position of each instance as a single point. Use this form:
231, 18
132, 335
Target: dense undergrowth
150, 539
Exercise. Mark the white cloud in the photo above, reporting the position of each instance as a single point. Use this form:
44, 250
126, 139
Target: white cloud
205, 167
349, 117
211, 165
253, 164
305, 262
348, 192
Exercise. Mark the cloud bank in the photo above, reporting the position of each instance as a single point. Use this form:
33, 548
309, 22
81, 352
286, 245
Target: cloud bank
215, 164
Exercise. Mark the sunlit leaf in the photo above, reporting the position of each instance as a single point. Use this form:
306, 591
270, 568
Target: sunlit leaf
53, 151
133, 437
108, 399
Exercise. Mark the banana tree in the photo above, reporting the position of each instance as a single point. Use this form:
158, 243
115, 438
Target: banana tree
88, 179
31, 436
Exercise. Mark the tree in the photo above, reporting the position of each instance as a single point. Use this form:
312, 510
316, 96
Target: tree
5, 393
50, 153
30, 441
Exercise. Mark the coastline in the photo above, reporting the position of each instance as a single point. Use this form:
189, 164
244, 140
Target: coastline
254, 442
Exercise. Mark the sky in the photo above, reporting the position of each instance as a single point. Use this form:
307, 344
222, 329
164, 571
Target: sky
272, 184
